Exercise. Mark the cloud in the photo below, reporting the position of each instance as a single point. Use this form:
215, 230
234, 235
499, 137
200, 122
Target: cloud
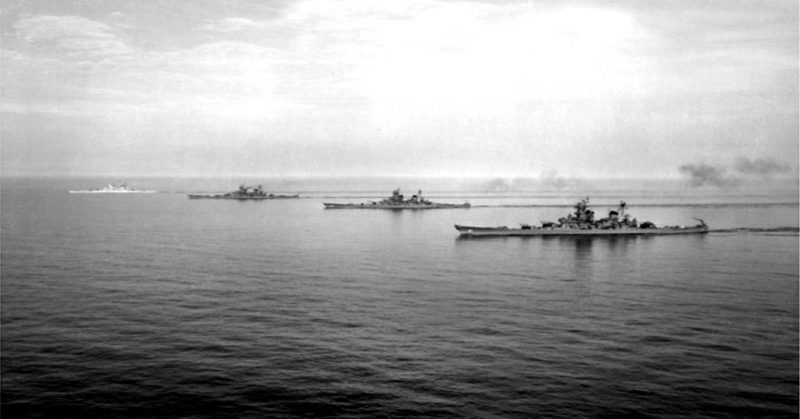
470, 85
70, 65
762, 167
231, 24
703, 174
74, 37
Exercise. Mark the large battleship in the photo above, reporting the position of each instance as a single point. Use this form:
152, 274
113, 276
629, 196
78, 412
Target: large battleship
583, 223
398, 202
244, 193
112, 188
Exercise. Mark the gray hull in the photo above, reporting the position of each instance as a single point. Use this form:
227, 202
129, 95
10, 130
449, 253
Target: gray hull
393, 207
244, 198
468, 231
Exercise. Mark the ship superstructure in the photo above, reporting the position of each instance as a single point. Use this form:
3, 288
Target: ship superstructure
397, 201
583, 223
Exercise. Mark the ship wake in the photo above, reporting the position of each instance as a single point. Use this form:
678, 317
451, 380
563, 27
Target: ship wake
788, 230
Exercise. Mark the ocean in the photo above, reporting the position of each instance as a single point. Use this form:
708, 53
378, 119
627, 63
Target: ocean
154, 305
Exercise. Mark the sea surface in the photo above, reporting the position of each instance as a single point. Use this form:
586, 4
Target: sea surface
154, 305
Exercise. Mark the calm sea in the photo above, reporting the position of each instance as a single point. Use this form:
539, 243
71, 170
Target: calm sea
154, 305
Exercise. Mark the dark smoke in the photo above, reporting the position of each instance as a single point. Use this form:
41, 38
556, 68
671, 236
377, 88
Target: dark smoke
703, 174
497, 185
763, 167
549, 180
553, 180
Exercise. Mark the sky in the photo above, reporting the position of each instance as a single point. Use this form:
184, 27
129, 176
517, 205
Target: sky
619, 89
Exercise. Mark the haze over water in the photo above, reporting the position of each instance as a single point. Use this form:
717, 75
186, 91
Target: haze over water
157, 305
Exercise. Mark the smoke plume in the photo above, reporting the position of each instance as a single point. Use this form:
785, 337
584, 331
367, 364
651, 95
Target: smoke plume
497, 185
553, 180
763, 167
703, 174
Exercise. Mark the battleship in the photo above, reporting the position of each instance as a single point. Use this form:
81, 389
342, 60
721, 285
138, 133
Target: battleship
398, 202
255, 193
583, 223
112, 188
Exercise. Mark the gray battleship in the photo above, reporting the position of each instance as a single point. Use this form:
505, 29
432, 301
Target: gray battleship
244, 193
397, 202
582, 223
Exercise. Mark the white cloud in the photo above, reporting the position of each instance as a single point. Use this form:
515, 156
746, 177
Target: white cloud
73, 37
399, 58
66, 61
444, 78
231, 24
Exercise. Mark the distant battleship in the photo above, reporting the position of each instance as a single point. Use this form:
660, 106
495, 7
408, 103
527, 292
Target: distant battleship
582, 223
123, 188
397, 202
244, 193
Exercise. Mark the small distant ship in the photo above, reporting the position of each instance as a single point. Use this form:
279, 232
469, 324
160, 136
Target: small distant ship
582, 223
244, 193
112, 188
397, 202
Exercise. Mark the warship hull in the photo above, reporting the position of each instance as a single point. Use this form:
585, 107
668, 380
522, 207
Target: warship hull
100, 191
393, 207
470, 231
243, 198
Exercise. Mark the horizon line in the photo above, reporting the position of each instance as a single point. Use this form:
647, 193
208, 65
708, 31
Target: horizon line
482, 176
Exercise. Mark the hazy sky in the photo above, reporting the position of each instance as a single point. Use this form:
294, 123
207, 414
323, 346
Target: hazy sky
580, 88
